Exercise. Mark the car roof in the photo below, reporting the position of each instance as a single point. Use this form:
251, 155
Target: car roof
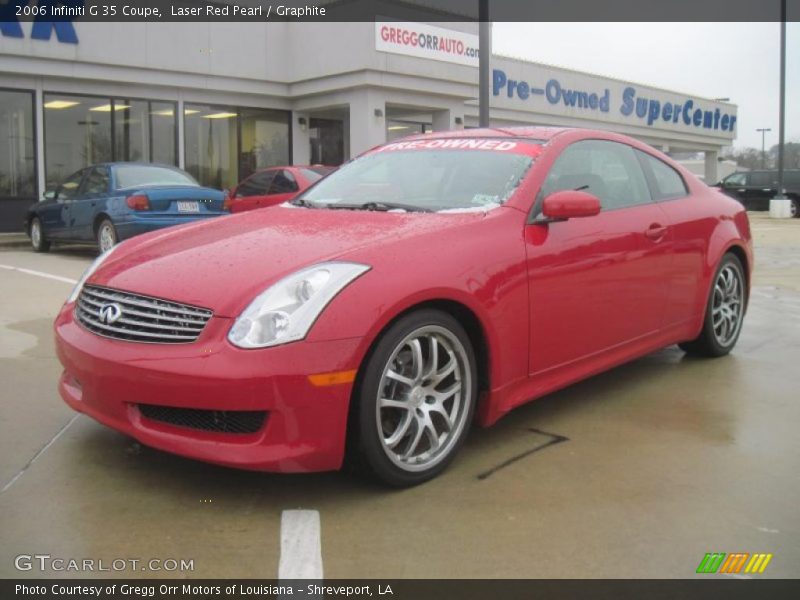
517, 132
136, 163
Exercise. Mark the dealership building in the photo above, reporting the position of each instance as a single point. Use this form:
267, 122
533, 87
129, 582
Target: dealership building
224, 99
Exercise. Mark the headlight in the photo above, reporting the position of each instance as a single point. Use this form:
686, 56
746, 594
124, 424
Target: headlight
88, 273
287, 310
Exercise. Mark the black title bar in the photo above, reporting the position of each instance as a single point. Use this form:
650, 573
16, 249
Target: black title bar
400, 589
404, 10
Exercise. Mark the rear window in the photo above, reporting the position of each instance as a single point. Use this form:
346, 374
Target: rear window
316, 173
668, 183
791, 178
761, 178
128, 176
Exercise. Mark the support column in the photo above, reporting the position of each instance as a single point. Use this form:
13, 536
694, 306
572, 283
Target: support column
442, 120
367, 121
448, 119
301, 143
181, 133
711, 166
38, 124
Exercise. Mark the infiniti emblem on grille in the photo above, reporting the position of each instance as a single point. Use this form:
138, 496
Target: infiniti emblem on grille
110, 313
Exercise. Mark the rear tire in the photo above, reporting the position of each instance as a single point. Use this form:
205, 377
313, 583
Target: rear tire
106, 236
38, 241
414, 400
724, 311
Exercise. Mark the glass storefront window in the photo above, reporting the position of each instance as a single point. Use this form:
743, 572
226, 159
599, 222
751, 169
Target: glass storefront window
84, 130
211, 144
163, 132
326, 137
77, 134
224, 144
265, 140
400, 129
131, 130
17, 155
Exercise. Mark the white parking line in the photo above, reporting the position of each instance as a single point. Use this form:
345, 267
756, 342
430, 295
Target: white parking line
301, 545
38, 454
40, 274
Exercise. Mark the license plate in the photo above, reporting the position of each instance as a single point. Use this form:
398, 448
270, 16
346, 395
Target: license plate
188, 206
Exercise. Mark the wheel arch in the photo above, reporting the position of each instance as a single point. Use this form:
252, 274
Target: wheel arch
468, 319
99, 218
739, 252
465, 315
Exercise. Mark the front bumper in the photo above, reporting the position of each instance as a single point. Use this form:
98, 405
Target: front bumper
305, 426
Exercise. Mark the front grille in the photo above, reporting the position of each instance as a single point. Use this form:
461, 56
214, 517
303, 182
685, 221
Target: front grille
224, 421
139, 318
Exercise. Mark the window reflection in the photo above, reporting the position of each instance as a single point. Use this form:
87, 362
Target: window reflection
17, 156
77, 134
84, 130
224, 144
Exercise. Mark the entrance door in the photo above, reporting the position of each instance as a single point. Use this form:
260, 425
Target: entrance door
327, 142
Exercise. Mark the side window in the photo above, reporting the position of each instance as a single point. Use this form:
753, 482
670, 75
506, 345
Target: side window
735, 180
96, 182
69, 188
609, 170
761, 179
667, 182
283, 183
255, 185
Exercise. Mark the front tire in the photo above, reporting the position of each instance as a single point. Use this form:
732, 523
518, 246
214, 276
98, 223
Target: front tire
38, 242
106, 236
794, 207
415, 399
724, 311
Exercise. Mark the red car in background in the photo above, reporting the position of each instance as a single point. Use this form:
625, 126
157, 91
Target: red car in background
272, 186
429, 281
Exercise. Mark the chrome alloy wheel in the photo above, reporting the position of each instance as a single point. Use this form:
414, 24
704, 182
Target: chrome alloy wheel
424, 398
36, 233
727, 305
106, 237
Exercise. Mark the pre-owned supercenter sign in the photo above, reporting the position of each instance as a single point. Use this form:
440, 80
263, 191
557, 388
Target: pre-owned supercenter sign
539, 88
427, 41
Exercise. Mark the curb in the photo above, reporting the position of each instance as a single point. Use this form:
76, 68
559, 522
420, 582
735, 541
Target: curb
14, 240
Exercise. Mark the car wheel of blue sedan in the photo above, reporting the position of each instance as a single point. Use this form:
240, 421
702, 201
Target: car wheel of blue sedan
106, 236
37, 237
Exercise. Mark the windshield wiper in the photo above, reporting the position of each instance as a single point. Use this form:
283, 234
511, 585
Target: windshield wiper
379, 206
303, 203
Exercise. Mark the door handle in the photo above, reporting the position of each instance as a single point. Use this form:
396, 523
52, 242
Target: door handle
655, 232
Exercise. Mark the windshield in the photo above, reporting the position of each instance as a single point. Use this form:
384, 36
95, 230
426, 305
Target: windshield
423, 179
129, 176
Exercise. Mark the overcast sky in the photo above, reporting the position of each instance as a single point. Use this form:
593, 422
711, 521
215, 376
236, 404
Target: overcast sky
740, 61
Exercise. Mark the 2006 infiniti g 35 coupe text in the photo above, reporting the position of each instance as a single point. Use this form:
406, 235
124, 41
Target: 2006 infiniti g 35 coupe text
431, 281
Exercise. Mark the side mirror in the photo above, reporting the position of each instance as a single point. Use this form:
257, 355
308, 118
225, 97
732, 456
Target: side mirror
569, 204
49, 195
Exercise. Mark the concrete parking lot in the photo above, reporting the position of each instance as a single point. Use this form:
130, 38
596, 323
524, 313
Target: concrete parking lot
657, 463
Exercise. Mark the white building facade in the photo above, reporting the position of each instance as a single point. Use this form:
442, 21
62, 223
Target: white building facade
222, 100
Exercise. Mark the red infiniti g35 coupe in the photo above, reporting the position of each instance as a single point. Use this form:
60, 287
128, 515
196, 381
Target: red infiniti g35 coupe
432, 280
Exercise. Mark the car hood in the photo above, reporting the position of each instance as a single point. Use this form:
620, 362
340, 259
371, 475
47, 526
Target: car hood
223, 264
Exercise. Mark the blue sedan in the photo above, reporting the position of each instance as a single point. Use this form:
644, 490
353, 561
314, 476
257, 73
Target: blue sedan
106, 203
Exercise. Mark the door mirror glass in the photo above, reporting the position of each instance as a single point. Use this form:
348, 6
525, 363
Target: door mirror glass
570, 204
